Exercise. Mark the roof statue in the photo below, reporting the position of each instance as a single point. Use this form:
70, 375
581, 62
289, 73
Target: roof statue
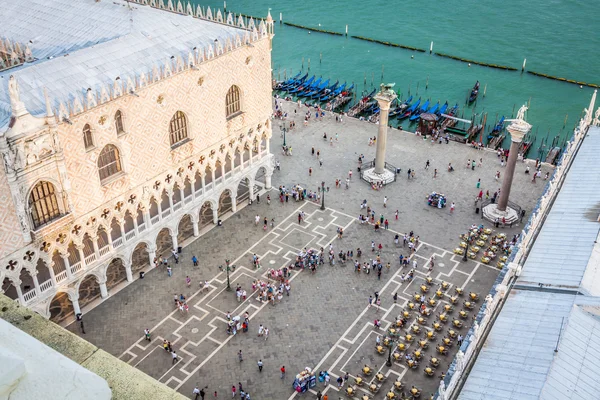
13, 91
521, 113
387, 88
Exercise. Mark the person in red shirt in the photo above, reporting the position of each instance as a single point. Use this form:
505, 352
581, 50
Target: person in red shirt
282, 372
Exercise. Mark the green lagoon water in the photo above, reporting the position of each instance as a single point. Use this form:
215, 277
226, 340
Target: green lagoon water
558, 37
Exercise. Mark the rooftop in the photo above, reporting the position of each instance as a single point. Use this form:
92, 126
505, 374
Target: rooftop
76, 45
518, 360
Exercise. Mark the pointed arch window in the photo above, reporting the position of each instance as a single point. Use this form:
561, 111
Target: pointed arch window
178, 128
119, 122
109, 162
88, 138
232, 102
43, 204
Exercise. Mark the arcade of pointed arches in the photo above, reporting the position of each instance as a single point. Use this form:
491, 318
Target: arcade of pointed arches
70, 256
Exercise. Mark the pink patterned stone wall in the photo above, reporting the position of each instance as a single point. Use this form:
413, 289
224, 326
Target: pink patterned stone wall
145, 147
11, 238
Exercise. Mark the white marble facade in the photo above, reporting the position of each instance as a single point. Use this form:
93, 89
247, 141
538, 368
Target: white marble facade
186, 141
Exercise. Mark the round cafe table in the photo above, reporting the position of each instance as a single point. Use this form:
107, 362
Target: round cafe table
434, 361
349, 391
366, 370
428, 370
358, 381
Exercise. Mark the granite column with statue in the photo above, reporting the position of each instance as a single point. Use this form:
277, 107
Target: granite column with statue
518, 128
384, 99
516, 138
379, 174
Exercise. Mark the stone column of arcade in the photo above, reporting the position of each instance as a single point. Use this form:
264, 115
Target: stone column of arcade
379, 173
518, 128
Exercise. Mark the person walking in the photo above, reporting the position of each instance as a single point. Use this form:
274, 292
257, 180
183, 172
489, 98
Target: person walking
174, 355
240, 356
196, 393
460, 340
386, 224
385, 199
169, 271
260, 365
427, 164
451, 207
478, 183
147, 334
195, 261
188, 281
233, 391
309, 171
267, 332
282, 372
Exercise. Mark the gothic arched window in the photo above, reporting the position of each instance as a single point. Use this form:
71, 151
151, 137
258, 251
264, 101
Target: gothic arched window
109, 162
232, 101
88, 139
43, 204
119, 122
178, 128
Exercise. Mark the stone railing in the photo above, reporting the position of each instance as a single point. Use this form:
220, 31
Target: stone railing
475, 338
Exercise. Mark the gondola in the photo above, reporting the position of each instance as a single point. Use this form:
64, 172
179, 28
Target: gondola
401, 107
497, 129
442, 109
283, 85
310, 88
333, 93
434, 109
325, 89
407, 113
417, 113
474, 93
315, 89
302, 85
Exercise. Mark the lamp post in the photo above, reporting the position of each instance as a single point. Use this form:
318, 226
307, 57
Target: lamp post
389, 360
468, 243
284, 144
322, 195
228, 269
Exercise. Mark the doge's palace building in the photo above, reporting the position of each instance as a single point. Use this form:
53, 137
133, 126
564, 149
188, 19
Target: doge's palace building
126, 129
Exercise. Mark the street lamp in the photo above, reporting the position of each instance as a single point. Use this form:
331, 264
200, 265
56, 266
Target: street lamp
284, 134
468, 243
228, 269
389, 360
322, 195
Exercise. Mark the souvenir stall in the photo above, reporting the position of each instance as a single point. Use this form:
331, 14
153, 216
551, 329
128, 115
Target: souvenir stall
305, 380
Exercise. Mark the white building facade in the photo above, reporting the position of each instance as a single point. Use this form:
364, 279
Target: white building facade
121, 144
